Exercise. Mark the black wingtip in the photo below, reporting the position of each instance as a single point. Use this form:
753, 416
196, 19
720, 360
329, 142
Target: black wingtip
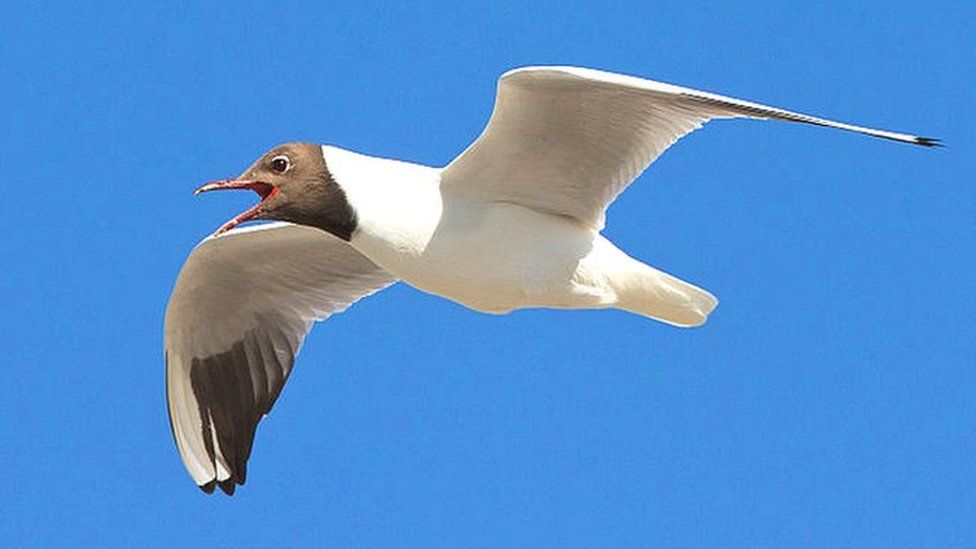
929, 142
228, 486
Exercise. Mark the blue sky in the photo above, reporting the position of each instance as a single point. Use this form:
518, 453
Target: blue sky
828, 401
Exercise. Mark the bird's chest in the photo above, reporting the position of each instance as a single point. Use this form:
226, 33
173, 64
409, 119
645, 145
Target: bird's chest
484, 258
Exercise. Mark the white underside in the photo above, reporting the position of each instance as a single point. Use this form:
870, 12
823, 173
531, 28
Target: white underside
497, 257
500, 257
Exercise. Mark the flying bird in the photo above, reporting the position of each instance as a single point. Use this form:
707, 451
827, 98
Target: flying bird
513, 222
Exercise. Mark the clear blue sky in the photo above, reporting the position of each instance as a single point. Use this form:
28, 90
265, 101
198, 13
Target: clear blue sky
828, 401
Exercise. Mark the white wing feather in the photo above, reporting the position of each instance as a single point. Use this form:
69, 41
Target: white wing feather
568, 140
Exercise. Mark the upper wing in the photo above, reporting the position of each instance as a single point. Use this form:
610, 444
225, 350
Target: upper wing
241, 307
568, 140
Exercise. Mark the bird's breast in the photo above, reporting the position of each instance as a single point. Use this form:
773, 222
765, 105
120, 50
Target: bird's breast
492, 257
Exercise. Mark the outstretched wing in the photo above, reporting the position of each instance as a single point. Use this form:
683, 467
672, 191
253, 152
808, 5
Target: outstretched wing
568, 140
241, 307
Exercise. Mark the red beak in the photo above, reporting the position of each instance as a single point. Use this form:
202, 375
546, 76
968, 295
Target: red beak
264, 190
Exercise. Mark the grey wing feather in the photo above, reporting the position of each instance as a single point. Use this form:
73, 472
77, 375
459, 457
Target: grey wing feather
240, 310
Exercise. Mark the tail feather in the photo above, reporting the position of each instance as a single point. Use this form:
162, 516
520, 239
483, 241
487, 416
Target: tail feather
658, 295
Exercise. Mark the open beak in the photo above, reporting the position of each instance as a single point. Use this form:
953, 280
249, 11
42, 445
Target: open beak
264, 190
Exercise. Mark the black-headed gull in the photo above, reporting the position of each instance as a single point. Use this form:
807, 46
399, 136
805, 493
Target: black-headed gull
513, 222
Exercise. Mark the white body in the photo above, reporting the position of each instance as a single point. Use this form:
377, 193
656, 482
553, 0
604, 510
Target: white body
496, 256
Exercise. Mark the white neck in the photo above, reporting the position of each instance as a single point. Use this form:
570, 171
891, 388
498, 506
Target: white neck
397, 204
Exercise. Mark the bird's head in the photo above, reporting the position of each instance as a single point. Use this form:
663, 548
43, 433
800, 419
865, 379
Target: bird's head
295, 185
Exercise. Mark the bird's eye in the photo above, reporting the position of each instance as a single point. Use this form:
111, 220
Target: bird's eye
280, 164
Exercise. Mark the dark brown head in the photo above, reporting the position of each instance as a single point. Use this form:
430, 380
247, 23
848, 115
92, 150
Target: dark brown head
295, 185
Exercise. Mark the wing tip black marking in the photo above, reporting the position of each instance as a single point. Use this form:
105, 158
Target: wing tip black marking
225, 390
227, 486
929, 142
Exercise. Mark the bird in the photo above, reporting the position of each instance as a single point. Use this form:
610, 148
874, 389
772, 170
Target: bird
515, 221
